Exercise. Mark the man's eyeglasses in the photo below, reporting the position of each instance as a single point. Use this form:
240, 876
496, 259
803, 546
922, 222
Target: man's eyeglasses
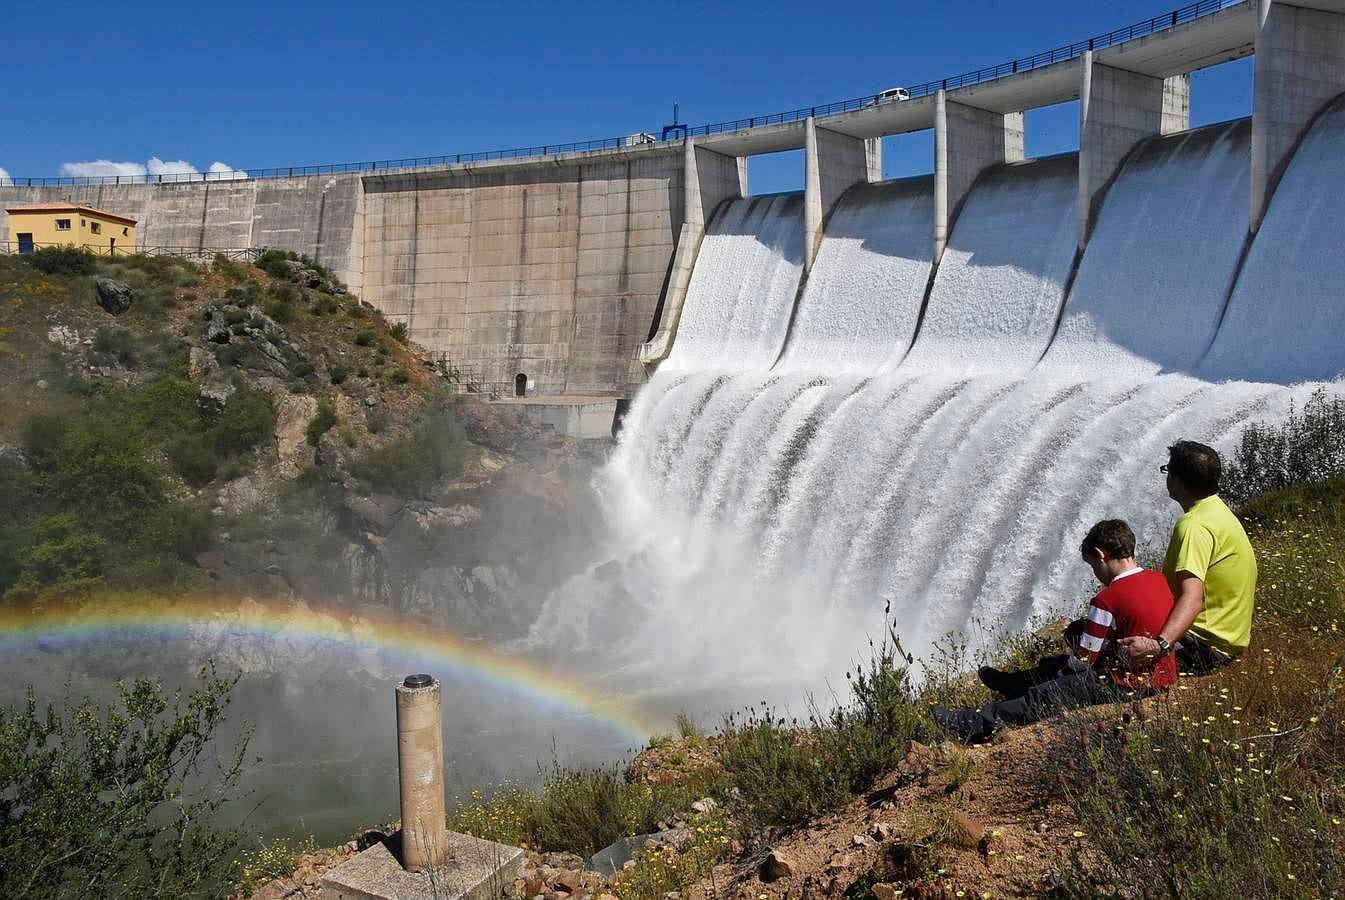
1163, 469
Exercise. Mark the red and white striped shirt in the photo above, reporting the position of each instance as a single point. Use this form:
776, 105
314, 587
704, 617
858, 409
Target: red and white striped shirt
1136, 603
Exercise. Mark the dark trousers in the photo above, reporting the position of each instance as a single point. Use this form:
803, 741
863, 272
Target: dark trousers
1199, 658
1045, 694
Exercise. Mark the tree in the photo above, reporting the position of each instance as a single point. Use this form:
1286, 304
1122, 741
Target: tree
119, 801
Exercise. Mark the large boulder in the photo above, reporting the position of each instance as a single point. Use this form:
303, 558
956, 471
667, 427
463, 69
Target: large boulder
113, 296
293, 413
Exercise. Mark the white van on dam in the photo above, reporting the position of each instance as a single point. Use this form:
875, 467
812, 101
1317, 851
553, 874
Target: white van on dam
891, 95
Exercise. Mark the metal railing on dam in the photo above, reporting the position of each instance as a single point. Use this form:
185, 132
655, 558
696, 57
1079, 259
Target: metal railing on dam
1180, 16
199, 254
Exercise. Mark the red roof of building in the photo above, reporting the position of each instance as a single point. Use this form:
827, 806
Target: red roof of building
68, 207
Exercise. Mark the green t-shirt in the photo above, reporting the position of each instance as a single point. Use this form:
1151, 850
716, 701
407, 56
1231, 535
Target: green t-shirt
1210, 543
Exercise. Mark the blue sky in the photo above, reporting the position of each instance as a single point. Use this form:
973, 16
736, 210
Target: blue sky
255, 85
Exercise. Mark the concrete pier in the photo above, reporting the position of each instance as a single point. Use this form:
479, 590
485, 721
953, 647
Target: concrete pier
1299, 67
833, 163
709, 178
1117, 110
967, 141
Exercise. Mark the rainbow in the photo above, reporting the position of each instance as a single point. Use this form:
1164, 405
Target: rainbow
473, 661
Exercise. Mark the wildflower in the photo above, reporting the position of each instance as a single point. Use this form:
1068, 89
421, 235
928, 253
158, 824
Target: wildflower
1078, 834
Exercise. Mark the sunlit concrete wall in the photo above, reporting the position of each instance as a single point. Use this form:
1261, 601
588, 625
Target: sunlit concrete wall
551, 269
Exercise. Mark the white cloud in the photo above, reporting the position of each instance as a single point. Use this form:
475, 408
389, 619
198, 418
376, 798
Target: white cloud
154, 168
225, 172
165, 171
4, 177
102, 168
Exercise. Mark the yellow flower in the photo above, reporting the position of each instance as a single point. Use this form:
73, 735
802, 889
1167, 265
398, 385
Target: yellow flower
1078, 834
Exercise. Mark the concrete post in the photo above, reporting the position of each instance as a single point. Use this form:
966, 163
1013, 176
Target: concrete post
833, 162
420, 766
1118, 109
967, 141
1299, 66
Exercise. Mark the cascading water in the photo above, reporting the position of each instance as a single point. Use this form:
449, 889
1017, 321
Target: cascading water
1286, 319
1168, 236
861, 306
742, 289
763, 511
1002, 278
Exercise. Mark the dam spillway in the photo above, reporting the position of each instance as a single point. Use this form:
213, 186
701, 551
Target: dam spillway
780, 503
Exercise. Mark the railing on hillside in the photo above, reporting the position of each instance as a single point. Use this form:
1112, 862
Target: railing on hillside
468, 378
1154, 25
199, 254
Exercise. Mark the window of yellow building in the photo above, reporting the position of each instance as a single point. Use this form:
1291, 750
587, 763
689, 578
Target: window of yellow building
96, 227
62, 224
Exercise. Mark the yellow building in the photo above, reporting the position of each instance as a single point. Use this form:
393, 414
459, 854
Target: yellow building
38, 225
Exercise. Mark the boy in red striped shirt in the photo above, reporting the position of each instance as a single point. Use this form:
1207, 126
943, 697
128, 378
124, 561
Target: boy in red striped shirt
1133, 601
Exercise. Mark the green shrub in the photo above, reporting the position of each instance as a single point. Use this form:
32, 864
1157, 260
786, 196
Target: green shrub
321, 423
235, 316
1218, 814
247, 420
278, 859
339, 374
398, 376
412, 464
272, 262
687, 726
578, 810
193, 459
364, 337
63, 261
279, 310
62, 558
1307, 446
789, 772
399, 331
119, 800
660, 871
115, 344
585, 810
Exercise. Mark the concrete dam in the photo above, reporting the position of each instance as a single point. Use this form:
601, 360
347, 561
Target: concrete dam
558, 266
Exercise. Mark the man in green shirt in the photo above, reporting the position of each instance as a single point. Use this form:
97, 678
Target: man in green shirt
1210, 567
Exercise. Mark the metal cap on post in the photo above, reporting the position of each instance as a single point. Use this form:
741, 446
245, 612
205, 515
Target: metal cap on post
420, 766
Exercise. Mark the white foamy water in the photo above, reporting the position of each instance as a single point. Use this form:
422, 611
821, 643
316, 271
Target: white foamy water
862, 301
1286, 319
1000, 284
1168, 236
743, 287
762, 518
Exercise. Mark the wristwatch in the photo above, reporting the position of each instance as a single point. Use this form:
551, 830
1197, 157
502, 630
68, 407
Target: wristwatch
1164, 648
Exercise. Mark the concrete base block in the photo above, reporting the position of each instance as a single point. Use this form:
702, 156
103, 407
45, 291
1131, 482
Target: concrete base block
583, 418
476, 870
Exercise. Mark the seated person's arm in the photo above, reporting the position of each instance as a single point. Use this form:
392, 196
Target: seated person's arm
1189, 602
1097, 631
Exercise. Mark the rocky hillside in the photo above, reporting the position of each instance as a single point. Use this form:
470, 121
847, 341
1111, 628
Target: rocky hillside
258, 430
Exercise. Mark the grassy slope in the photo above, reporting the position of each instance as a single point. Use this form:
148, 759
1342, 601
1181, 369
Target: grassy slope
99, 404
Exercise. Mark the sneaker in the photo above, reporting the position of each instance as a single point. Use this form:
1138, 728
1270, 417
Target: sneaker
965, 725
1009, 684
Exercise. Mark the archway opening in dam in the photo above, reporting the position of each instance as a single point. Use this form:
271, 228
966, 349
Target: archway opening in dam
908, 155
1048, 130
1221, 93
775, 173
